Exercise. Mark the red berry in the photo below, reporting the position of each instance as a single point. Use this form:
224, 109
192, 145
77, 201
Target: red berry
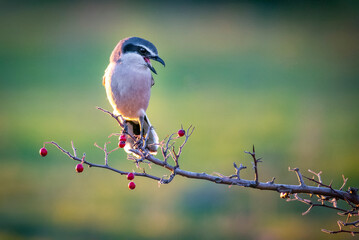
122, 144
79, 168
43, 152
181, 132
131, 185
130, 176
123, 138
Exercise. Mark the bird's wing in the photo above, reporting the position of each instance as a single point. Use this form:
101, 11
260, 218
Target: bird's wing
152, 81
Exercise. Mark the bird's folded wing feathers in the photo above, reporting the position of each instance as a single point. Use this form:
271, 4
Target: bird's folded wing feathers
152, 81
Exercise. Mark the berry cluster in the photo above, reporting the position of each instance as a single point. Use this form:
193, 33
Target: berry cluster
122, 142
131, 185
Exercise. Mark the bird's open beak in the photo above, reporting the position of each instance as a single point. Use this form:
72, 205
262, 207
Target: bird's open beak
156, 58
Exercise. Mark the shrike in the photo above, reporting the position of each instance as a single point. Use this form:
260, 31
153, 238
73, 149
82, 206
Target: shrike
128, 81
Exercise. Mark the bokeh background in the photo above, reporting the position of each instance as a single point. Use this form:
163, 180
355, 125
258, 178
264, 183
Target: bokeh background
281, 76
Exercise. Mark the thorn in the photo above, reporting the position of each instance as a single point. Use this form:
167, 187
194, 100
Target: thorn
272, 181
253, 149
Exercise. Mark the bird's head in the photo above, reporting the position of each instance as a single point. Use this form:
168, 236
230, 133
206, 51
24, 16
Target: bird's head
137, 47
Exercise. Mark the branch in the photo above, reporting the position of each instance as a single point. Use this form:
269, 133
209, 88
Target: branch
326, 194
341, 224
325, 191
101, 166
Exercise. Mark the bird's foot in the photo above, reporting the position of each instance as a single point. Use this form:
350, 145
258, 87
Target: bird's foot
140, 143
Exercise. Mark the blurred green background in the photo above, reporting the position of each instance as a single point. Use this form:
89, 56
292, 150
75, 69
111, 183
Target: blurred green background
281, 76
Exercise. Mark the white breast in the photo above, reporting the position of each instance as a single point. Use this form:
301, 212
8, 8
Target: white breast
128, 86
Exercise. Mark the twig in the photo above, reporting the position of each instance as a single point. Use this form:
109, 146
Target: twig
114, 116
340, 231
255, 162
73, 148
341, 224
308, 202
299, 175
104, 149
238, 169
102, 166
344, 182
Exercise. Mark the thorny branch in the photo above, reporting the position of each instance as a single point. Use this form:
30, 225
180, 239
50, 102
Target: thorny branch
325, 195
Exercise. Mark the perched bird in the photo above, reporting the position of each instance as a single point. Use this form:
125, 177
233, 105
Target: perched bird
128, 81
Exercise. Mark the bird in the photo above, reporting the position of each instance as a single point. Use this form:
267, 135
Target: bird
128, 81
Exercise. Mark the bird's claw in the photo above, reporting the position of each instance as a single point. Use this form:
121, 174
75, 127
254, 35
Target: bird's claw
140, 143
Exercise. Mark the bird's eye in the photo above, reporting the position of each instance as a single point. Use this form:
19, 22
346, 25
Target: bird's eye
142, 50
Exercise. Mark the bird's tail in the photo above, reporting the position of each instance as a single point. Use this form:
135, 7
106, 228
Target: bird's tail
133, 128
